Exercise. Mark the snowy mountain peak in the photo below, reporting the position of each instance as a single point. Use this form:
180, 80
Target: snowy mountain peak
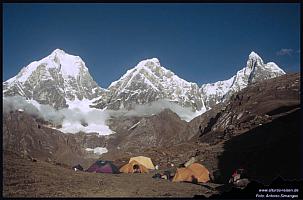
68, 65
149, 63
62, 55
58, 52
148, 81
254, 56
148, 67
253, 60
54, 80
65, 64
60, 79
256, 70
153, 67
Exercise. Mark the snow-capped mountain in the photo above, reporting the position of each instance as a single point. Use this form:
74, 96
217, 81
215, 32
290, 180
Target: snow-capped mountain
56, 80
256, 70
148, 82
62, 80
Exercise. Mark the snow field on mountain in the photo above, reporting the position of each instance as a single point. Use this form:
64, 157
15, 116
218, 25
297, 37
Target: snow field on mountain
69, 65
97, 150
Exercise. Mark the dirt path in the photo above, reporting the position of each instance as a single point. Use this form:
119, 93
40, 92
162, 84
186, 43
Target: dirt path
24, 178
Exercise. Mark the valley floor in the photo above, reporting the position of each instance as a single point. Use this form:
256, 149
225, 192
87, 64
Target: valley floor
24, 178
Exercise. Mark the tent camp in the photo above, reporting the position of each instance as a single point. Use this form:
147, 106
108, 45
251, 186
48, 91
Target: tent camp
102, 166
132, 167
145, 161
193, 173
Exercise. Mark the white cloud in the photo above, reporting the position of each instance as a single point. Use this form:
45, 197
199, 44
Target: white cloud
72, 120
93, 120
283, 52
185, 113
98, 150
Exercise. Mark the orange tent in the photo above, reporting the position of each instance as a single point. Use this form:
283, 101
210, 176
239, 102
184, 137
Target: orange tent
129, 167
183, 174
200, 172
193, 173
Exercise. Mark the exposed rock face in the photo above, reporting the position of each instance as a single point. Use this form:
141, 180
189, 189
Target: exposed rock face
255, 71
164, 129
148, 82
253, 106
54, 80
29, 136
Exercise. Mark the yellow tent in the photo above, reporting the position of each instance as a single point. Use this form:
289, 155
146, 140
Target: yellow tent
145, 161
129, 168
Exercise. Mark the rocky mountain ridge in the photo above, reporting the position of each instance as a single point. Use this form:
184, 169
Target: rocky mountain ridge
60, 79
54, 80
148, 82
255, 71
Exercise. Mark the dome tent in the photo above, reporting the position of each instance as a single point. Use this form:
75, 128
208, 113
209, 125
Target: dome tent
193, 173
130, 167
145, 161
103, 166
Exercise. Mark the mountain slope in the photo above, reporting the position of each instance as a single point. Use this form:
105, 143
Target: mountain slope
29, 136
164, 129
148, 82
255, 71
54, 80
251, 107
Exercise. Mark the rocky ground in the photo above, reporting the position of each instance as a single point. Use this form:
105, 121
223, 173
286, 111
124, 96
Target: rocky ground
24, 178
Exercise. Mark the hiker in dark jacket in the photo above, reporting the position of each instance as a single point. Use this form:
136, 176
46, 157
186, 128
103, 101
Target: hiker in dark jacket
239, 178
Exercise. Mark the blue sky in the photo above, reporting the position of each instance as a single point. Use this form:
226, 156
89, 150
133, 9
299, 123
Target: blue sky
199, 42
